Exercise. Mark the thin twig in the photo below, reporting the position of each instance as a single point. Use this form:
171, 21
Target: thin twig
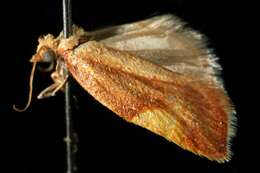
70, 140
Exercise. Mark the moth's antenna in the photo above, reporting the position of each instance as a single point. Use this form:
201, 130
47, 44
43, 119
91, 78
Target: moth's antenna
70, 135
30, 91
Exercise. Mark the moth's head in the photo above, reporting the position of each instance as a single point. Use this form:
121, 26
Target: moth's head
50, 48
46, 52
46, 49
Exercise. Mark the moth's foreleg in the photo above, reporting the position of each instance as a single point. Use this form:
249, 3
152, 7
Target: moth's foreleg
59, 78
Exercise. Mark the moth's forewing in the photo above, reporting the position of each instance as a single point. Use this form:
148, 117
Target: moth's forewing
161, 76
192, 113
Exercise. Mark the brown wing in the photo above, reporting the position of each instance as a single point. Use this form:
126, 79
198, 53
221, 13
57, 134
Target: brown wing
194, 114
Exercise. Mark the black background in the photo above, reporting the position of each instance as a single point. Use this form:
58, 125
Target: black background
33, 140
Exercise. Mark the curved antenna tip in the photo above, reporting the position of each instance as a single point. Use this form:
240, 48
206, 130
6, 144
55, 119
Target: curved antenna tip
30, 91
20, 110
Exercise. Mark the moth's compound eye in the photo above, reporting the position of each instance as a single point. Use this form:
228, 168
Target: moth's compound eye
48, 56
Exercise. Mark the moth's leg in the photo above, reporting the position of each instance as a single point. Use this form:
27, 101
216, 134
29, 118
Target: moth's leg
59, 77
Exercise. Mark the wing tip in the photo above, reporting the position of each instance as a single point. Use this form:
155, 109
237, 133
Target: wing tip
157, 118
232, 127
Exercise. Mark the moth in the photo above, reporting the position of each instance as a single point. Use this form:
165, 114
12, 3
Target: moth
156, 73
